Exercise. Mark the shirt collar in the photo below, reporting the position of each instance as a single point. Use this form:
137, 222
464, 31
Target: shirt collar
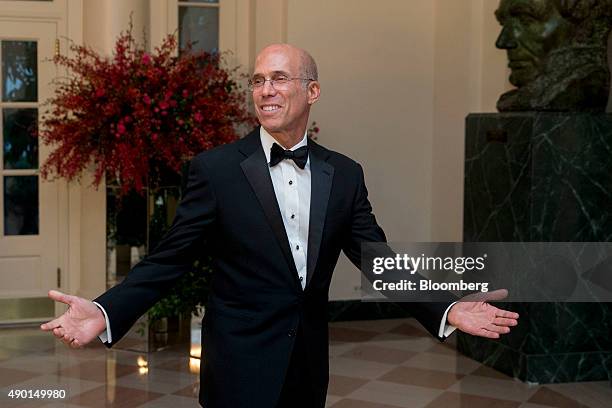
267, 141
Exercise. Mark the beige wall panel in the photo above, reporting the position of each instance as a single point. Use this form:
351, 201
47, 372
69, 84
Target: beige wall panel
457, 89
26, 276
271, 20
376, 65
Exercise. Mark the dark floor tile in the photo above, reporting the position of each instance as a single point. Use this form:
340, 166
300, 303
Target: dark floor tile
341, 385
10, 376
421, 377
379, 354
115, 397
456, 400
192, 390
99, 371
350, 335
546, 396
408, 330
351, 403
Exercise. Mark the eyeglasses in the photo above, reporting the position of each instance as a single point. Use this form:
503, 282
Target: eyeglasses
280, 83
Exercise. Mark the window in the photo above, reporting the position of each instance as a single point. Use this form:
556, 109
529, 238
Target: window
19, 119
198, 25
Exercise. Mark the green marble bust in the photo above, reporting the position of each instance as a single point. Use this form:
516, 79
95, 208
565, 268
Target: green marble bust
557, 52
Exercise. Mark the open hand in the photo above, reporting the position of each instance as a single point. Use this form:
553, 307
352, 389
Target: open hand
473, 315
82, 322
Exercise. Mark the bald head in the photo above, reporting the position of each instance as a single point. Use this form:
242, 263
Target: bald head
284, 87
307, 65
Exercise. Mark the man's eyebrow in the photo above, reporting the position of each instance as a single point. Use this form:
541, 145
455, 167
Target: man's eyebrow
285, 73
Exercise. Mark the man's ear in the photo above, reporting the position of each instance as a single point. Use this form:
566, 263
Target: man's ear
314, 91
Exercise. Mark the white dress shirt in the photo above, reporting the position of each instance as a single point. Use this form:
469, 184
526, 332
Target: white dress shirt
292, 190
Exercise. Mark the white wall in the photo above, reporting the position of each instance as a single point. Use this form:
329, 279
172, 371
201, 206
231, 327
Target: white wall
398, 78
470, 74
376, 65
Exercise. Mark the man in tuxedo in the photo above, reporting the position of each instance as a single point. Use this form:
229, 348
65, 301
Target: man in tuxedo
274, 209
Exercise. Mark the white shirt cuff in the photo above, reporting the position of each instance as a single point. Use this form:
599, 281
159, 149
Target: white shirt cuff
105, 336
445, 328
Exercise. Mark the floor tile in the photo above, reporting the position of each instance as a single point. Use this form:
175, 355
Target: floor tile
490, 387
484, 371
456, 400
10, 376
400, 342
379, 354
191, 391
341, 385
350, 335
331, 400
596, 394
546, 396
159, 380
174, 401
421, 377
97, 370
409, 330
358, 368
351, 403
116, 397
400, 395
436, 361
71, 386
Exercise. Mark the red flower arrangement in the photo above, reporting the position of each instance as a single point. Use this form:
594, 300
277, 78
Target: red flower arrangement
138, 113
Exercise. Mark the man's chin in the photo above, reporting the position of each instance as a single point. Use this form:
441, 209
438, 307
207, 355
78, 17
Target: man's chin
270, 126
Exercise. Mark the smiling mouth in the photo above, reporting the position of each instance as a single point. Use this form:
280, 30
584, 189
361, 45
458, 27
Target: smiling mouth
270, 108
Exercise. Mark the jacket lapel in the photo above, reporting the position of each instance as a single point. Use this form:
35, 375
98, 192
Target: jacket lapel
255, 169
322, 174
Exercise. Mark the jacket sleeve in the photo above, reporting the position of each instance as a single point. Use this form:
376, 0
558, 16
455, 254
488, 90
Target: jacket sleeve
175, 254
364, 229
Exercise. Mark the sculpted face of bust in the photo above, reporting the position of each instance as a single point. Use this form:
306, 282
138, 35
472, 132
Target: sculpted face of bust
531, 30
557, 54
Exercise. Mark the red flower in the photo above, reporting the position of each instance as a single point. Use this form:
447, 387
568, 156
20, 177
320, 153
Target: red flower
123, 135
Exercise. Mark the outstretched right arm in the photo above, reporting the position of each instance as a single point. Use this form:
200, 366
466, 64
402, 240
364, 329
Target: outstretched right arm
151, 278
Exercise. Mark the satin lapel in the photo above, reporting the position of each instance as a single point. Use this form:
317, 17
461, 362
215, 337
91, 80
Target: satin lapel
322, 174
256, 171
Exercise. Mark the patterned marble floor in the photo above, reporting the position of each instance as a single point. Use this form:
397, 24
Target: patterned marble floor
373, 364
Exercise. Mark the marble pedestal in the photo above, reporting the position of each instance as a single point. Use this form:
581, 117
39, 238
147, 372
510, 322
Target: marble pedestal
542, 177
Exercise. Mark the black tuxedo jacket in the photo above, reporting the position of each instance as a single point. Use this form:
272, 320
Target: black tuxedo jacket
256, 303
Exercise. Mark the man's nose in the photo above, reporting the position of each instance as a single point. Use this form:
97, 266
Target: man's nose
267, 88
506, 40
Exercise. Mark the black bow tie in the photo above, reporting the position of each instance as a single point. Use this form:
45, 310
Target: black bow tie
299, 156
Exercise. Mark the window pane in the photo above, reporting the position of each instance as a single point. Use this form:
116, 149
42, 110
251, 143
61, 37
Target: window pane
19, 71
20, 205
200, 27
20, 144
